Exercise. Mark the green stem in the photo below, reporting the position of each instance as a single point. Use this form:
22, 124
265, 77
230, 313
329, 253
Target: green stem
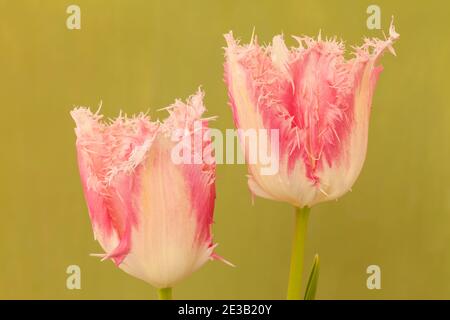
297, 253
165, 294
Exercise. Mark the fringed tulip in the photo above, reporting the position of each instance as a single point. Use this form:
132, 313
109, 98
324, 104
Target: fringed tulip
320, 103
151, 216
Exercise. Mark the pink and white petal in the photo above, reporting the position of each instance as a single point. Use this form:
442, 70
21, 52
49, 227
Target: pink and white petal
338, 178
166, 247
109, 157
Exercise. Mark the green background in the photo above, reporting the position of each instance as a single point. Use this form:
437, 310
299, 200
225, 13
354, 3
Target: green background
140, 55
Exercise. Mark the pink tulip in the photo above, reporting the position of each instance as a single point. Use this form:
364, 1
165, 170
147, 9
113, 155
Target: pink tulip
318, 100
151, 216
319, 103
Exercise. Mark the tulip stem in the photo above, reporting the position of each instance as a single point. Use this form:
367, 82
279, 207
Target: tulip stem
165, 294
297, 253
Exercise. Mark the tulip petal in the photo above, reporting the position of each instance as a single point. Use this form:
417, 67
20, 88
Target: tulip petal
106, 156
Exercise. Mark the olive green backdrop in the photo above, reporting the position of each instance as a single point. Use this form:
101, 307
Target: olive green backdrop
140, 55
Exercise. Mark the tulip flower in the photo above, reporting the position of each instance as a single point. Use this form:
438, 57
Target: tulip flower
152, 216
320, 103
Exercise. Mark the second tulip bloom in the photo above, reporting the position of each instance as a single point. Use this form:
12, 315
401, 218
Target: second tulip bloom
318, 100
